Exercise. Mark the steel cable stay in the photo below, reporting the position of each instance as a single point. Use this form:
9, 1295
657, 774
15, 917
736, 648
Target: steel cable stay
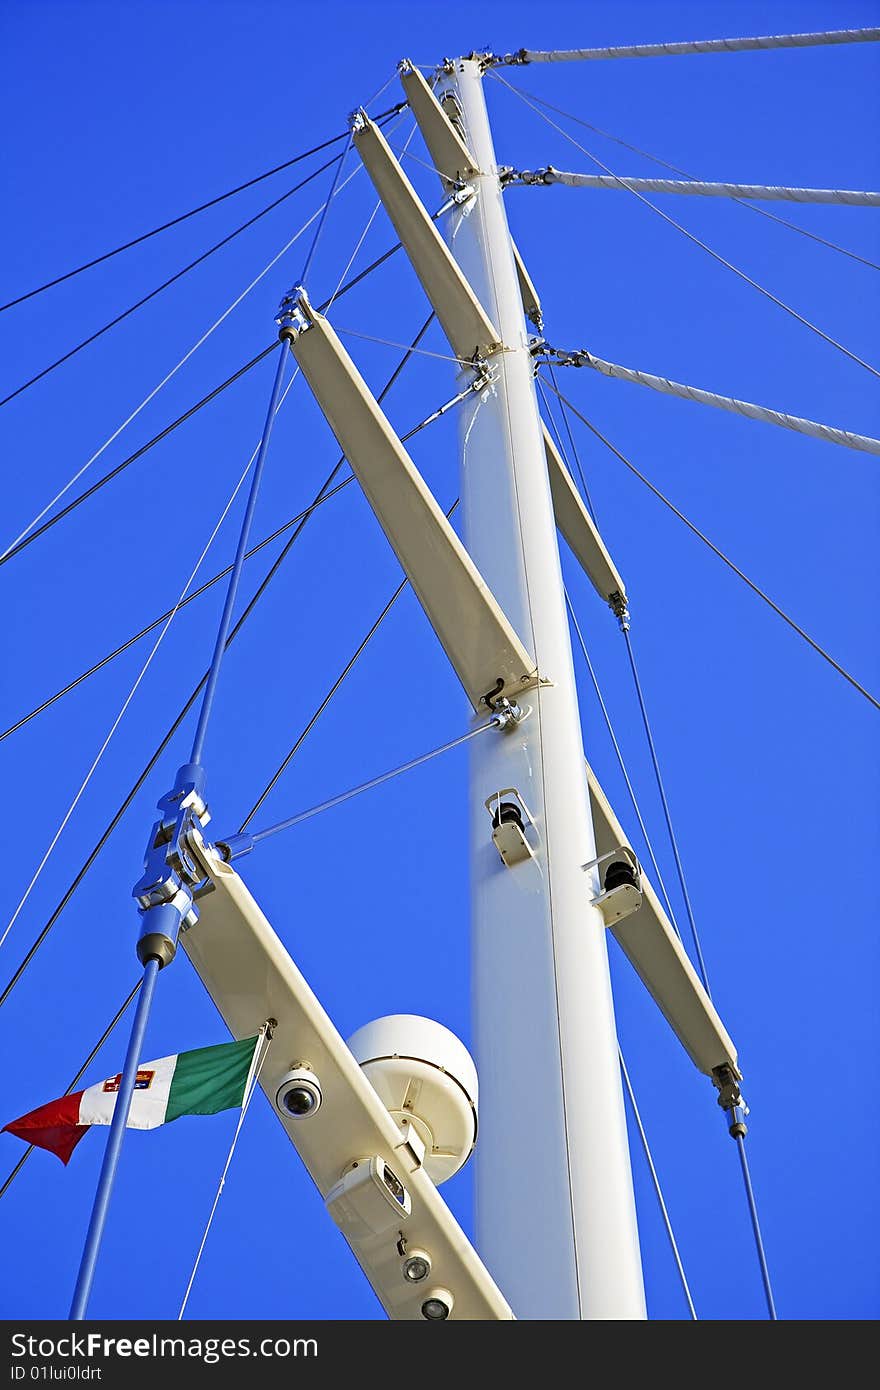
184, 711
202, 207
736, 1114
691, 236
157, 942
562, 450
260, 1054
191, 265
127, 701
145, 299
257, 835
735, 1109
756, 1227
626, 777
132, 458
197, 593
205, 400
10, 1177
156, 389
190, 598
152, 961
163, 893
325, 209
312, 721
841, 670
676, 169
656, 1181
667, 814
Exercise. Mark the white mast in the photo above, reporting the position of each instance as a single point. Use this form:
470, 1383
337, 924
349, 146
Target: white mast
555, 1215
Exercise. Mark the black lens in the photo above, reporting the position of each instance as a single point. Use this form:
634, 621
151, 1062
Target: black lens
299, 1100
507, 813
618, 874
434, 1309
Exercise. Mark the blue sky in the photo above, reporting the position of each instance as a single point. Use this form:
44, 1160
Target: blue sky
120, 118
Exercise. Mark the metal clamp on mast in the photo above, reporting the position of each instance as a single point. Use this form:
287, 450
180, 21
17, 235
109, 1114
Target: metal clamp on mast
730, 1098
165, 890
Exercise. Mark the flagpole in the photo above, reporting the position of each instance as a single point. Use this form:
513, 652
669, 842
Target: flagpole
121, 1110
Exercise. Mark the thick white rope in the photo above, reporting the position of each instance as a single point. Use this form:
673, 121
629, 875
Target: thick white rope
722, 260
812, 428
850, 197
657, 50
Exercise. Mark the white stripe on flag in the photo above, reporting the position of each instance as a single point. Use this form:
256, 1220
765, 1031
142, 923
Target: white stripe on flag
148, 1104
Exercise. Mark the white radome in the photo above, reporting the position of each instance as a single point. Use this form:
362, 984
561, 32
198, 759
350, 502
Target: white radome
423, 1075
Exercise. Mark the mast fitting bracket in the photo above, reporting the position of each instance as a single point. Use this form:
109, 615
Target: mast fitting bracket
291, 317
730, 1098
165, 891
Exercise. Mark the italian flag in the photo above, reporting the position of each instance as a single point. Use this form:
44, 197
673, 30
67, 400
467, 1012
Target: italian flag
200, 1082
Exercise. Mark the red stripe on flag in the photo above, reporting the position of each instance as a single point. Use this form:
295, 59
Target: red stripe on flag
55, 1126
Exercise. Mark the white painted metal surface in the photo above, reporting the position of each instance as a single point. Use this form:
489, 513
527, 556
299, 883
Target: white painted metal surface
449, 154
250, 976
463, 318
454, 162
578, 527
649, 942
529, 295
551, 1120
476, 636
425, 1077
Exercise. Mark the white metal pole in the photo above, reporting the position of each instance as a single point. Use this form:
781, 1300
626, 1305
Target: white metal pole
555, 1215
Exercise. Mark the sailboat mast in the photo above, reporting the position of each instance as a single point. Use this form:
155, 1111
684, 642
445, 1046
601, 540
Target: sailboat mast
555, 1215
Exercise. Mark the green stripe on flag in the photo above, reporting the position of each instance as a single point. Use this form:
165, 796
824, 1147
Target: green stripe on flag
210, 1079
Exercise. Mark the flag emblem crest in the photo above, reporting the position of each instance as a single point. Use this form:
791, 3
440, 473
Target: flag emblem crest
143, 1083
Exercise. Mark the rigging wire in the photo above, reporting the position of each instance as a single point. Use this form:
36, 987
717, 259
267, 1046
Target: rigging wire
388, 342
145, 299
260, 545
328, 697
675, 169
181, 419
575, 455
79, 1076
128, 799
616, 745
756, 1228
202, 207
190, 598
250, 1086
666, 1221
224, 241
139, 453
301, 816
624, 627
320, 227
156, 389
727, 561
691, 236
127, 701
238, 563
